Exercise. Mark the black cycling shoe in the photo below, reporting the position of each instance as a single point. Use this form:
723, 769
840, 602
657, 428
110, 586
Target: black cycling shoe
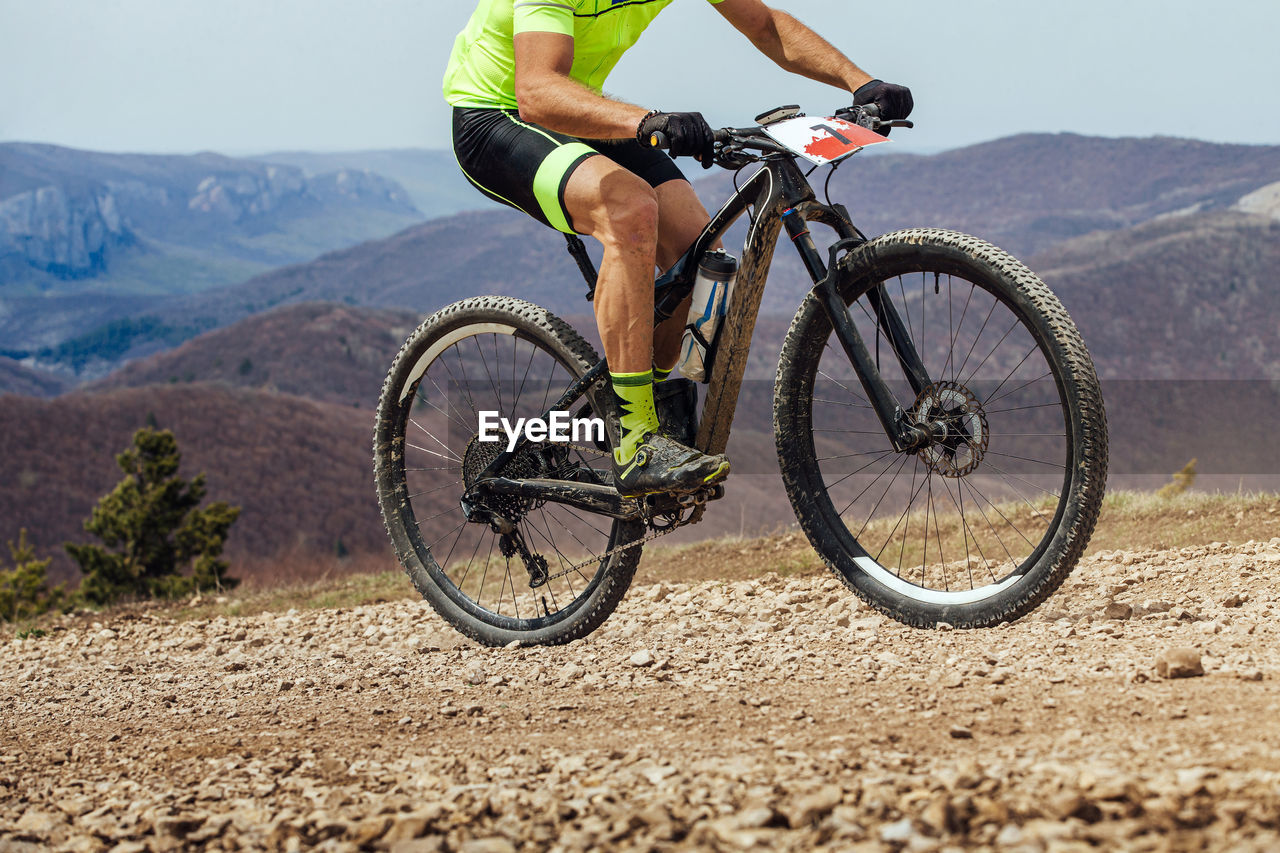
662, 466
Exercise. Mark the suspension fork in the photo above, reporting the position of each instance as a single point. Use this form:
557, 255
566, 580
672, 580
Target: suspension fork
904, 436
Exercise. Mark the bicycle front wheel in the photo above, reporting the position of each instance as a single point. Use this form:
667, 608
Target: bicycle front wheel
557, 573
988, 519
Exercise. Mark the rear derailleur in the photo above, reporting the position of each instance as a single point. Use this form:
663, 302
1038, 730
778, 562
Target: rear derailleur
510, 542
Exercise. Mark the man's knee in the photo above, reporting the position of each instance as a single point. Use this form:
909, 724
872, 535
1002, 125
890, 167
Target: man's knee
630, 212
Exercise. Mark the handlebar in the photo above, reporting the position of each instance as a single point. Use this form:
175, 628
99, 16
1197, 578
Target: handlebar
735, 141
658, 139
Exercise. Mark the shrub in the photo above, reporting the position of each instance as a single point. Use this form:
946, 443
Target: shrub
24, 589
153, 531
1181, 482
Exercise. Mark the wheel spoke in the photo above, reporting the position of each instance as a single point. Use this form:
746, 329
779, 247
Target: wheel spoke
920, 526
566, 536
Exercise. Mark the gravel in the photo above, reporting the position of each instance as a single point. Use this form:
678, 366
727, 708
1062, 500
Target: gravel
777, 713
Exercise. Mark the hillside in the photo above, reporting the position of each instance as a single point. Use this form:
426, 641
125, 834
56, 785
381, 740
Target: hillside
1182, 297
299, 468
322, 352
126, 225
16, 378
1026, 193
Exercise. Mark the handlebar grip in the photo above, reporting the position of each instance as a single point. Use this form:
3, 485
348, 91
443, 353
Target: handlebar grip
658, 139
724, 135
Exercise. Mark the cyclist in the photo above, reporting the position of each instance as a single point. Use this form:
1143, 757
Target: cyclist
532, 130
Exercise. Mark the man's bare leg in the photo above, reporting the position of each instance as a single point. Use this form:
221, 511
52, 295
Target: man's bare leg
620, 210
681, 218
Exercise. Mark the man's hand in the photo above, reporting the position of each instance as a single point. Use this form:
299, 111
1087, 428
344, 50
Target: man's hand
688, 135
894, 101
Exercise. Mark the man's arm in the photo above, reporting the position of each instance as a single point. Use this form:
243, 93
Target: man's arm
549, 97
792, 45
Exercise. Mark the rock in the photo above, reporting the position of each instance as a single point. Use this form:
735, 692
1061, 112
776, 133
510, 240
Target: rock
898, 832
808, 808
1010, 835
571, 671
1118, 610
1235, 600
1179, 662
414, 824
179, 826
430, 844
939, 816
487, 845
40, 823
370, 830
644, 657
129, 847
961, 733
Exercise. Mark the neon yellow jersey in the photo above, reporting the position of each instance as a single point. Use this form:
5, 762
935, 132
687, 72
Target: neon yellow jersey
482, 67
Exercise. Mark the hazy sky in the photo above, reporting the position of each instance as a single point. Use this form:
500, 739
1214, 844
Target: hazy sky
246, 76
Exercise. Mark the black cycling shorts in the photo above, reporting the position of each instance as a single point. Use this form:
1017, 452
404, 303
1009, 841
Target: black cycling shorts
528, 167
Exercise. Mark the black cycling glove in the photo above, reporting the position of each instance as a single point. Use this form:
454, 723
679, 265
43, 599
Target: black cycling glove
894, 101
688, 135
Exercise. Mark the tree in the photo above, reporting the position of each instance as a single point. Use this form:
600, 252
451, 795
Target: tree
24, 589
153, 530
1181, 482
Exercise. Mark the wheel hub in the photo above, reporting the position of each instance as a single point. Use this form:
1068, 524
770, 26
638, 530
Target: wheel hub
958, 429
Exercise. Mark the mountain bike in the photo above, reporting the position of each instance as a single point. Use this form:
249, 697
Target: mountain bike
940, 430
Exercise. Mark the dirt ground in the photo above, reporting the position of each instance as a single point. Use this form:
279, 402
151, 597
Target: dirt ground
774, 714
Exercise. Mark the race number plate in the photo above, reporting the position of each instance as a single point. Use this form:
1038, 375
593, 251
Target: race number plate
823, 140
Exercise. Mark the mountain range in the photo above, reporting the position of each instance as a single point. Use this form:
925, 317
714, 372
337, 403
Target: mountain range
87, 238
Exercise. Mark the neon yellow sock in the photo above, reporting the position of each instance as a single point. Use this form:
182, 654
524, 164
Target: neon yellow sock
639, 417
660, 375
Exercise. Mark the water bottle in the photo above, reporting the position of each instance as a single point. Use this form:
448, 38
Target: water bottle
712, 290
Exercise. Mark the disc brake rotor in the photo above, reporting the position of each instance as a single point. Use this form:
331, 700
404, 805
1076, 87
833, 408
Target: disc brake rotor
958, 423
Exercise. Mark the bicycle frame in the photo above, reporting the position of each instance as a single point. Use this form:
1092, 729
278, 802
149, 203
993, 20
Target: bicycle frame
782, 199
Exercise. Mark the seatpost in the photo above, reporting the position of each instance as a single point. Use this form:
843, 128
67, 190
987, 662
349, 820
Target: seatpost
579, 251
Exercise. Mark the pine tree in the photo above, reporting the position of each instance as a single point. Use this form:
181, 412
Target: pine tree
24, 589
152, 530
1182, 481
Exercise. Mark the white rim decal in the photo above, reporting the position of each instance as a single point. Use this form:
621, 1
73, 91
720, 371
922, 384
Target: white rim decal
444, 343
931, 596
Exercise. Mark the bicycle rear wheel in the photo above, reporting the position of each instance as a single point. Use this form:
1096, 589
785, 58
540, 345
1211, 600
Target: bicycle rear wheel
987, 521
512, 358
